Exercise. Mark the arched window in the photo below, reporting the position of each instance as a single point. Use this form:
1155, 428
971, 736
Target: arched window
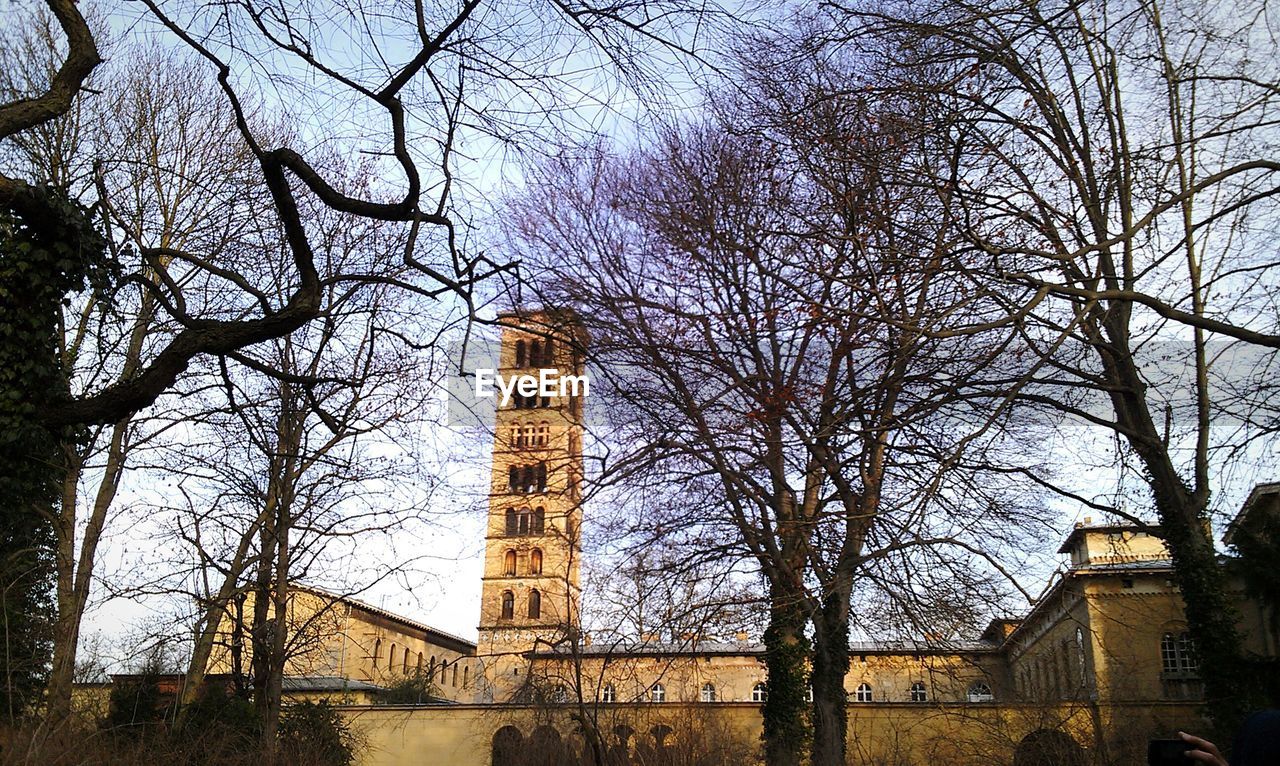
513, 479
454, 679
980, 692
657, 693
708, 692
466, 676
863, 693
420, 661
377, 651
535, 353
1177, 655
608, 694
759, 692
542, 477
515, 436
509, 563
520, 353
544, 434
547, 354
918, 692
539, 520
535, 559
508, 607
431, 669
404, 662
527, 439
535, 604
512, 522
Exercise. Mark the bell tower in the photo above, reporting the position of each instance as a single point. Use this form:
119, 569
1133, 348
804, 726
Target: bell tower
529, 590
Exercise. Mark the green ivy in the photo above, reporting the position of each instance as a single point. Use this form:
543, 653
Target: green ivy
45, 258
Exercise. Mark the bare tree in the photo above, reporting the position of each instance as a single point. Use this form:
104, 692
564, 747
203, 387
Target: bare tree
1115, 165
760, 302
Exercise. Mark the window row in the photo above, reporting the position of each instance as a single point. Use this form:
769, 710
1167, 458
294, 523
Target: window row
431, 670
525, 521
530, 435
534, 566
533, 606
524, 479
978, 692
535, 353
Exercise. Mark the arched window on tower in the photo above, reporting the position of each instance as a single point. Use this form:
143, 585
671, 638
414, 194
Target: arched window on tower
542, 477
528, 438
539, 520
520, 353
512, 522
543, 437
508, 607
535, 604
515, 436
509, 563
535, 561
528, 478
513, 478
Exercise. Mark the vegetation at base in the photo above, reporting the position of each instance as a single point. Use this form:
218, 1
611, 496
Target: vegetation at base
414, 689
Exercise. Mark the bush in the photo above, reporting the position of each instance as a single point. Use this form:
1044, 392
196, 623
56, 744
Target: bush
314, 733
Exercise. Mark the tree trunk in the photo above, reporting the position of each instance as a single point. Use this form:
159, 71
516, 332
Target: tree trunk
786, 725
830, 666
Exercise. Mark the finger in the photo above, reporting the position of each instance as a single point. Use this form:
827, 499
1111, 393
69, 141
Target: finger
1200, 743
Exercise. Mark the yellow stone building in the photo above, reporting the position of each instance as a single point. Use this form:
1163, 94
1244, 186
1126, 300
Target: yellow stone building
1099, 664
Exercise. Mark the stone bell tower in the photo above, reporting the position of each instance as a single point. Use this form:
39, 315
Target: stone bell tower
529, 591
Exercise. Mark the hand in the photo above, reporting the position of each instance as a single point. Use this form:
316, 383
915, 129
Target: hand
1204, 752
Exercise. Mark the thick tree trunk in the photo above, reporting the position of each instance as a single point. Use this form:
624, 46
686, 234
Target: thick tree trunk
830, 666
785, 711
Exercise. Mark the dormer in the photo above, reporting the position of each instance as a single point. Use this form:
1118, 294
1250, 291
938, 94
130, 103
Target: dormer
1109, 544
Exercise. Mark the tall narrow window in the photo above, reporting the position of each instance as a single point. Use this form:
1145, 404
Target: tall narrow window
759, 692
524, 521
454, 680
509, 563
391, 658
539, 520
466, 676
528, 438
520, 353
404, 662
544, 434
508, 607
512, 521
863, 693
535, 353
535, 561
1177, 655
608, 694
535, 604
515, 436
527, 479
513, 478
420, 661
708, 692
377, 651
547, 354
918, 692
431, 669
542, 477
